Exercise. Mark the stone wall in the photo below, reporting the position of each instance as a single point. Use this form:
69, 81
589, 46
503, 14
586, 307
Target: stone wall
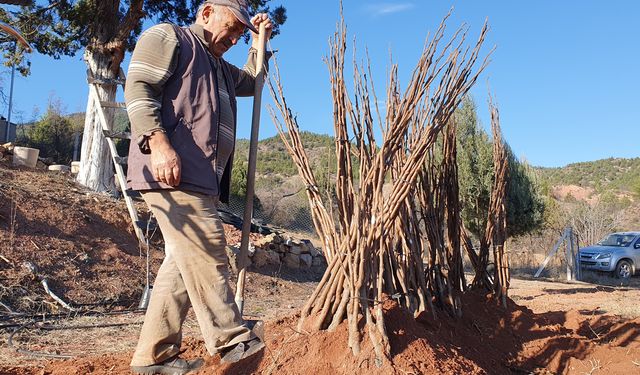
277, 250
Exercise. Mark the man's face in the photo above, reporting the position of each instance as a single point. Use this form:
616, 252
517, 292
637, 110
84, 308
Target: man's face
224, 27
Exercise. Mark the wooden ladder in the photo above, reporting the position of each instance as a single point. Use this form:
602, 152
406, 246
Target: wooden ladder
110, 135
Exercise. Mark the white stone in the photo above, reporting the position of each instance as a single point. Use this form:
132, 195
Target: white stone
318, 261
75, 167
59, 168
274, 257
314, 251
25, 156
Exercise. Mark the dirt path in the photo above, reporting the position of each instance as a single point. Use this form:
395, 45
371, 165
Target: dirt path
588, 299
270, 294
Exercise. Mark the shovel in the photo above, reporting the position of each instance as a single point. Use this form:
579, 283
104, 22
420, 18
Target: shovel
243, 258
150, 226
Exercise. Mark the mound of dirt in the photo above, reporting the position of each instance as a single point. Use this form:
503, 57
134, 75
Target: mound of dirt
580, 193
416, 350
80, 241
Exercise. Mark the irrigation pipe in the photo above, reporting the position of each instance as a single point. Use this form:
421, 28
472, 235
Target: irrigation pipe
60, 316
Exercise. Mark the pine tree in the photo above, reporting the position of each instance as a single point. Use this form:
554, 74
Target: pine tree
525, 203
475, 168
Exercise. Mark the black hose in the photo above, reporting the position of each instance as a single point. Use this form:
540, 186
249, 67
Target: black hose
16, 321
68, 314
8, 315
49, 327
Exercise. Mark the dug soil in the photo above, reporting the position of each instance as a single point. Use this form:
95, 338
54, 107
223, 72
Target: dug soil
83, 245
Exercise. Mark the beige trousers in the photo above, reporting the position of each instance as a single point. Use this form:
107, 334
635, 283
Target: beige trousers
194, 273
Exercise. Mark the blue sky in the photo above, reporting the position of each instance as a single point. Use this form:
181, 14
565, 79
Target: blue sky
564, 73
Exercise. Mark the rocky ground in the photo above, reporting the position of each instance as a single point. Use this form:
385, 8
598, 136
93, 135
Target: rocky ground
83, 246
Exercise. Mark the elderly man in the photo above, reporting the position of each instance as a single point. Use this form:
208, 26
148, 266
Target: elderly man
181, 98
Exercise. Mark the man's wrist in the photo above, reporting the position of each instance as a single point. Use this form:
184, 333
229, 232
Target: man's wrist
158, 138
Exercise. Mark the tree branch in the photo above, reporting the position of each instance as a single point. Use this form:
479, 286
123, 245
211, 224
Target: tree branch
130, 20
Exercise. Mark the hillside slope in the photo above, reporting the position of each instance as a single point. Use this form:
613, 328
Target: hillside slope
606, 175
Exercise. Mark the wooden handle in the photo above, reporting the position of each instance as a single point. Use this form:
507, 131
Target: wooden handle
243, 257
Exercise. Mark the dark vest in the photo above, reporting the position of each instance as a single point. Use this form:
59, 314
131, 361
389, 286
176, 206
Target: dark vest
190, 118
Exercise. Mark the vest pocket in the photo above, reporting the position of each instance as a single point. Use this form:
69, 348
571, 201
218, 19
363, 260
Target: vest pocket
190, 142
181, 135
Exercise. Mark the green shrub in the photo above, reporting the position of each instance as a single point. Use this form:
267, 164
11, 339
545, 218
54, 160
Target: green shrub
53, 135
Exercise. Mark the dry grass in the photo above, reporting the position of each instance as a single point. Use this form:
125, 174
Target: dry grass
595, 366
74, 336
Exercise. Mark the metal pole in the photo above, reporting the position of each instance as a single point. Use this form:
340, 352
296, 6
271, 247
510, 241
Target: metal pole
569, 255
577, 258
551, 253
13, 73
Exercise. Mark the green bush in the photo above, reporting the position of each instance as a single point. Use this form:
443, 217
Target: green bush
53, 135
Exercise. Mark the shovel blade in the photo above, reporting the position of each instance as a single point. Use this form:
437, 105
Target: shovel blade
257, 326
144, 299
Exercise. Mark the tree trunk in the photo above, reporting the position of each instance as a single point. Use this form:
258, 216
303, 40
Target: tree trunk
103, 57
96, 170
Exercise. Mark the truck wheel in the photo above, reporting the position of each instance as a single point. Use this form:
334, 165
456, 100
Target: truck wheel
624, 269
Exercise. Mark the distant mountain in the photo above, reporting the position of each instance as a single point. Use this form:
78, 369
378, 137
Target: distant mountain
616, 175
606, 175
273, 157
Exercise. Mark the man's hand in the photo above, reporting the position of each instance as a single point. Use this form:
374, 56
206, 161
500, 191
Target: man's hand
258, 19
165, 162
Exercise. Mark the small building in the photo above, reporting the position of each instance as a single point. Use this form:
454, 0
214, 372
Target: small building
3, 131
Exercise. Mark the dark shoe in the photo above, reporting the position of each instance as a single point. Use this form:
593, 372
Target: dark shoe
241, 351
173, 366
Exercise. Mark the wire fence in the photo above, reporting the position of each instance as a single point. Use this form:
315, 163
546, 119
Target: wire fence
282, 212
